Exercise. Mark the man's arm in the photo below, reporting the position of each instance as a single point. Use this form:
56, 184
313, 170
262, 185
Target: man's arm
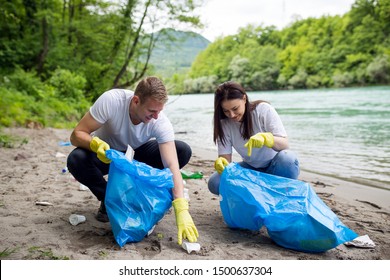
81, 135
185, 224
169, 159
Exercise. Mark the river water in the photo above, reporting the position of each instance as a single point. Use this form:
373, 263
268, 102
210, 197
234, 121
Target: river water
344, 133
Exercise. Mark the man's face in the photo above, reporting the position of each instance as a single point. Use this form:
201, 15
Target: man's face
145, 112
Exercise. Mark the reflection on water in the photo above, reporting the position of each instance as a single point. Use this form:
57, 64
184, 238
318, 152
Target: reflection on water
338, 132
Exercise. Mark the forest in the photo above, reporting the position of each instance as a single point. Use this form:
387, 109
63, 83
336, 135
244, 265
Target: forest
58, 56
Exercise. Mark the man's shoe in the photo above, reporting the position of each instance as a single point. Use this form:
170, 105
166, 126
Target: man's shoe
101, 215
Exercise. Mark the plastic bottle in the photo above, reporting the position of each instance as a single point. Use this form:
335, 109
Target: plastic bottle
65, 176
191, 175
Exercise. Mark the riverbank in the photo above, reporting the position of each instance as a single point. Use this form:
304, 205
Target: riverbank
32, 172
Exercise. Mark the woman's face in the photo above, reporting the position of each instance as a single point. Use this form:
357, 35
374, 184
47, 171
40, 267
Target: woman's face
234, 109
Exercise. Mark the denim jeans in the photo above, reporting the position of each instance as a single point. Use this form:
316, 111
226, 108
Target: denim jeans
284, 164
89, 170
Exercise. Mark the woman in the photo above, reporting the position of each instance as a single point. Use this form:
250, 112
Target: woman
254, 130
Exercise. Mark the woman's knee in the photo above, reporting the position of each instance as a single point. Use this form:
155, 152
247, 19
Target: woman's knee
287, 157
286, 164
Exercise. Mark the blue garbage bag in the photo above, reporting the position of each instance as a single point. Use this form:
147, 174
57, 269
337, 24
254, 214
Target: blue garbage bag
137, 197
294, 216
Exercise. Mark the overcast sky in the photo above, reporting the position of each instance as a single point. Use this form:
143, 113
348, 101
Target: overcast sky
224, 17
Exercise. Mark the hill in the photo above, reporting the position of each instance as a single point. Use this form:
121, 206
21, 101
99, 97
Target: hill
175, 51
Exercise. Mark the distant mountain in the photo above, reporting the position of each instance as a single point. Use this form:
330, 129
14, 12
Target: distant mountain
175, 51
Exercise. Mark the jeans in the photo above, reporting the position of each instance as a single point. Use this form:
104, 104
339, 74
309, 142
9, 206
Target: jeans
284, 164
89, 170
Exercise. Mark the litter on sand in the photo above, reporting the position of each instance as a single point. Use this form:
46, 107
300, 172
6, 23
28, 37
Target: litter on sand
64, 143
83, 187
43, 203
60, 155
191, 175
362, 242
190, 246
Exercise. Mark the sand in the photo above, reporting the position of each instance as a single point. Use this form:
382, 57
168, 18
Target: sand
31, 173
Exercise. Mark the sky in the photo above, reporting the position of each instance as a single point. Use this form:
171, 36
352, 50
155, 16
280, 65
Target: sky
225, 17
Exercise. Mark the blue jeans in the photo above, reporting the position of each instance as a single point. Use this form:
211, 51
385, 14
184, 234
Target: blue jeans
89, 170
284, 164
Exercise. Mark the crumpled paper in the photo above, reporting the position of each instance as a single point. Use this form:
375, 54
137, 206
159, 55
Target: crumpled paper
362, 242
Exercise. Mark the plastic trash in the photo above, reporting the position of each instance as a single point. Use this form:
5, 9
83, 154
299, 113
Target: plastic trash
191, 175
186, 194
65, 176
76, 219
43, 203
83, 187
64, 143
137, 197
190, 246
363, 241
129, 153
295, 217
60, 155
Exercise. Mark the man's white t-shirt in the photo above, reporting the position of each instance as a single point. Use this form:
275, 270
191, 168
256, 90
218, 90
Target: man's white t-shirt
265, 119
112, 110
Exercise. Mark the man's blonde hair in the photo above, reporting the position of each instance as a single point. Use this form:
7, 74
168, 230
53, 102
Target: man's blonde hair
151, 87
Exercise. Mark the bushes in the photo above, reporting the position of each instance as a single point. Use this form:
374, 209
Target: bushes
200, 85
68, 86
378, 71
14, 107
25, 99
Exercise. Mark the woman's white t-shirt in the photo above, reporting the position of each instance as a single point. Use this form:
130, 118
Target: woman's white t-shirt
265, 119
112, 110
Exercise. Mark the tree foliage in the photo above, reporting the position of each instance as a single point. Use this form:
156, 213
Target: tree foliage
73, 50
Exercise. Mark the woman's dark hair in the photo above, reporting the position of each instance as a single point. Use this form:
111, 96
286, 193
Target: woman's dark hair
228, 91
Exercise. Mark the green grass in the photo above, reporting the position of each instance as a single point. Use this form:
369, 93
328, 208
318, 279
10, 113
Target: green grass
9, 141
7, 252
39, 253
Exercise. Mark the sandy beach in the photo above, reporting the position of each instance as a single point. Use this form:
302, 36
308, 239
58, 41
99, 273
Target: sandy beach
32, 173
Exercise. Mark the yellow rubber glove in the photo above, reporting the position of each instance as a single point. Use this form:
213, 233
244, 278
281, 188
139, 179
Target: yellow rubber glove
259, 140
185, 224
220, 164
100, 147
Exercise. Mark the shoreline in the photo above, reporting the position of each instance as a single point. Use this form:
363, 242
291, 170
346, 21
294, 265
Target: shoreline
359, 181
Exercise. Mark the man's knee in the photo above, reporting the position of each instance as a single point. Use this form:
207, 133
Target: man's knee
184, 153
77, 157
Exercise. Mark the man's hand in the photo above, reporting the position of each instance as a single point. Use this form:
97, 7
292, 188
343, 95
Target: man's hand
259, 140
220, 164
185, 225
100, 147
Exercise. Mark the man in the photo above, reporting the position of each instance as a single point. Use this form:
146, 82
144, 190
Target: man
119, 118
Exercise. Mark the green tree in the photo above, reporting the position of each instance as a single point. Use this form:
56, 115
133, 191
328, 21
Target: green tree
65, 53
